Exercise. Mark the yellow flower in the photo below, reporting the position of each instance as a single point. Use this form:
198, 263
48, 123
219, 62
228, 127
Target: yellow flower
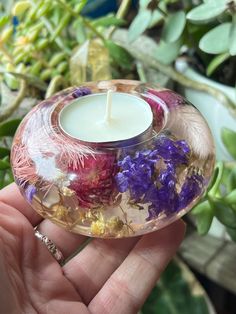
98, 227
115, 224
60, 211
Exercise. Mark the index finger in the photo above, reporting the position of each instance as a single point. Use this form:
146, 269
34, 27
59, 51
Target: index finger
11, 196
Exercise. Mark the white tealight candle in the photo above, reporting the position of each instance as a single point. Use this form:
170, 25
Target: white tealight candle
89, 118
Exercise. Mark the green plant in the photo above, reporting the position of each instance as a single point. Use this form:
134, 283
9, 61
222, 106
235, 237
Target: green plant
173, 293
37, 43
220, 40
204, 34
220, 199
38, 39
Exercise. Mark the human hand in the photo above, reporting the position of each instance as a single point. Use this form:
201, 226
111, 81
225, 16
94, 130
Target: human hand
107, 276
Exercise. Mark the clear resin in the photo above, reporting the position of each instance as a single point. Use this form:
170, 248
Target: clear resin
115, 189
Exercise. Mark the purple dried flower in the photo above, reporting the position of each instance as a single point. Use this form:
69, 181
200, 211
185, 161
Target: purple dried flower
191, 188
81, 91
174, 151
136, 174
30, 192
164, 198
148, 183
183, 146
122, 182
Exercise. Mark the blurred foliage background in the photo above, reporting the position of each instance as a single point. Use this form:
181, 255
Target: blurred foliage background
48, 45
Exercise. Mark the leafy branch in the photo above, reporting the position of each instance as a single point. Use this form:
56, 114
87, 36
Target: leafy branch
180, 78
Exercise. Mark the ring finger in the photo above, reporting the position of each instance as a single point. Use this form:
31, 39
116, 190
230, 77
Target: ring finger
67, 242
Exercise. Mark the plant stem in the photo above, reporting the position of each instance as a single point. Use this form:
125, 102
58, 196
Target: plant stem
163, 13
121, 13
58, 40
92, 28
123, 9
53, 85
6, 53
67, 7
8, 111
84, 20
141, 72
180, 78
50, 29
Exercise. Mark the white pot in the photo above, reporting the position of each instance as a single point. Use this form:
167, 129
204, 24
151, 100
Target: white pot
213, 111
217, 117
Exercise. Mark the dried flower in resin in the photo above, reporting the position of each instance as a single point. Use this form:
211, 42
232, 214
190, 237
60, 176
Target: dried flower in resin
94, 184
98, 227
59, 211
114, 224
30, 192
114, 189
67, 192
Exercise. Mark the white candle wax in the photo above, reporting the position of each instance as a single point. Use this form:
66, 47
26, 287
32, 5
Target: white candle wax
85, 119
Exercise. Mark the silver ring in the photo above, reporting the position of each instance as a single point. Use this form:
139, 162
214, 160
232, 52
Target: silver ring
52, 248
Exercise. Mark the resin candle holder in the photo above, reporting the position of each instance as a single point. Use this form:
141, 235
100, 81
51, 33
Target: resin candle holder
117, 188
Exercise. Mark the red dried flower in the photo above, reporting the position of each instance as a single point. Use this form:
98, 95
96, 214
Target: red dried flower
94, 184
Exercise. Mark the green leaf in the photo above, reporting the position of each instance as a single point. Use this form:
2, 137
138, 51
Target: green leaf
9, 128
229, 139
207, 11
216, 179
80, 6
144, 3
139, 24
9, 178
174, 26
224, 213
173, 295
232, 233
2, 177
119, 55
216, 62
230, 199
4, 19
204, 215
20, 7
6, 177
216, 40
231, 183
232, 37
109, 20
4, 152
80, 33
4, 164
156, 18
166, 53
30, 79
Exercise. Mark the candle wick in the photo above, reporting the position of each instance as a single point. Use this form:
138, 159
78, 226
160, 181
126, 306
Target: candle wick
108, 106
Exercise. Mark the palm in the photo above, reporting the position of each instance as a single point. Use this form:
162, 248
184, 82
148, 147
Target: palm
107, 276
